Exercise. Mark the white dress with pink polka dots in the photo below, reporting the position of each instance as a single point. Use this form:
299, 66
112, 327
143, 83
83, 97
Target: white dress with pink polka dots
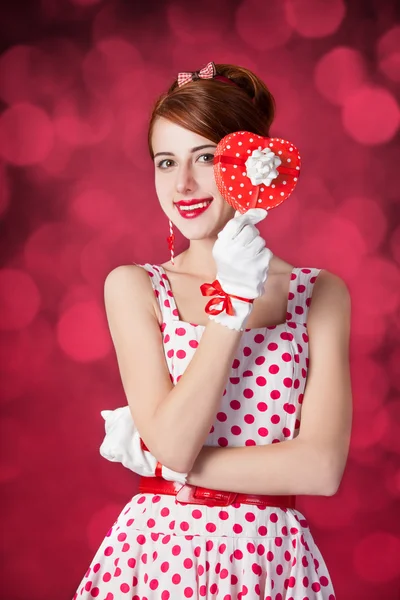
160, 550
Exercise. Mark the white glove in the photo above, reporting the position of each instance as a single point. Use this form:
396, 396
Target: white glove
242, 265
122, 444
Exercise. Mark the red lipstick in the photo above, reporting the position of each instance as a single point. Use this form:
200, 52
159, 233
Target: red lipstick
189, 213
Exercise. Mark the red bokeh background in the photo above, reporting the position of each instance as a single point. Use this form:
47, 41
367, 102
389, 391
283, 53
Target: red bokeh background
78, 79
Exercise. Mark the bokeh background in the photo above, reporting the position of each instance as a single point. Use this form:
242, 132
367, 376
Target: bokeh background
78, 79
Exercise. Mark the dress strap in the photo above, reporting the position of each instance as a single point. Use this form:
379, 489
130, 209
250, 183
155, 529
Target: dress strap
162, 291
300, 293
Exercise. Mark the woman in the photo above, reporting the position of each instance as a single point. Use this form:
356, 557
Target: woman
212, 394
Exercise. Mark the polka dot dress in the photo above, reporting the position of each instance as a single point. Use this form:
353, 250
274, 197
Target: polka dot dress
160, 550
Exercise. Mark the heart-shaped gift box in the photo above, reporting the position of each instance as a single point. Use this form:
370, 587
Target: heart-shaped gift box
252, 171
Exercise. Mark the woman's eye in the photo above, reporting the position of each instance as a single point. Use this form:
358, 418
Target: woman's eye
210, 156
165, 160
163, 164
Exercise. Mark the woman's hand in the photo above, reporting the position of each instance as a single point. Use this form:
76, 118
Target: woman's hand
242, 261
122, 443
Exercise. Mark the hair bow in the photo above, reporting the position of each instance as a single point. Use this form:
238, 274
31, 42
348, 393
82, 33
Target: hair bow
208, 72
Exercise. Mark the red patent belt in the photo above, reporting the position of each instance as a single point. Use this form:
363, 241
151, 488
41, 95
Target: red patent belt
193, 494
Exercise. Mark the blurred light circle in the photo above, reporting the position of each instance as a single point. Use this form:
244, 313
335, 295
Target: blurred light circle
339, 73
57, 161
395, 244
367, 334
82, 332
392, 478
109, 61
4, 189
369, 216
132, 136
75, 129
36, 73
373, 499
18, 73
97, 260
26, 134
95, 207
24, 358
391, 441
393, 368
369, 382
315, 18
379, 292
19, 299
262, 25
321, 232
389, 53
376, 557
114, 19
369, 427
53, 251
192, 24
371, 115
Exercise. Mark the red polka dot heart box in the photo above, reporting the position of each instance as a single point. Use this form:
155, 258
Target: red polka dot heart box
252, 171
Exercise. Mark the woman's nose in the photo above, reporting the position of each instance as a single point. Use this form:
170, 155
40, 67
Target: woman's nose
185, 180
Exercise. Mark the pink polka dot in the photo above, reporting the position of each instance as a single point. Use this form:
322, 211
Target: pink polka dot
153, 584
124, 588
132, 562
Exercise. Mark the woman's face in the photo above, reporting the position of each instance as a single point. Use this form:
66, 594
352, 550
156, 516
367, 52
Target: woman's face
183, 163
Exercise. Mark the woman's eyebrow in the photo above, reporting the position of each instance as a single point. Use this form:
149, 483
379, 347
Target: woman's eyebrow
191, 150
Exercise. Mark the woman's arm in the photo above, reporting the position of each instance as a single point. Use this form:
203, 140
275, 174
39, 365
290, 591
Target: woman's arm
313, 462
290, 467
173, 421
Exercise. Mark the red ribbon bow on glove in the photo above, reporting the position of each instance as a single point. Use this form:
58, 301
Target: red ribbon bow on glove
207, 72
215, 289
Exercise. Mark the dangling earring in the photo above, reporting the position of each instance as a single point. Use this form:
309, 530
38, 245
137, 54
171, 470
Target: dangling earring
170, 240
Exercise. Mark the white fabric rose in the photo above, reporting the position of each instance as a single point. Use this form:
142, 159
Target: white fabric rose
261, 166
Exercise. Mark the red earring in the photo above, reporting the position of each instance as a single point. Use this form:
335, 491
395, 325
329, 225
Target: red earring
170, 240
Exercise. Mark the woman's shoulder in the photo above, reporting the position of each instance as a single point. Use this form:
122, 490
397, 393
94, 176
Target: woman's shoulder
132, 282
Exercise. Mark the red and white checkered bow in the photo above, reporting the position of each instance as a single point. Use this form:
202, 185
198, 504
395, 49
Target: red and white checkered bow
208, 72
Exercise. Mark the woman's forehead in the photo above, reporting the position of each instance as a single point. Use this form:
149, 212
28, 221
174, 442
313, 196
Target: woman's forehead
168, 136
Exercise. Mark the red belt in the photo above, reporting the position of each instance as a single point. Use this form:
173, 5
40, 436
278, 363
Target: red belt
193, 494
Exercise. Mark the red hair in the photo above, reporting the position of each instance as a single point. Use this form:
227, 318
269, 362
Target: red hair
213, 108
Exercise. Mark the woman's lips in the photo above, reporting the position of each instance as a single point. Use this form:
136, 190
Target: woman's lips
193, 213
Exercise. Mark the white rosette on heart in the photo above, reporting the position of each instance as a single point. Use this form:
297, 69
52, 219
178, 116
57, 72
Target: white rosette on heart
261, 166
